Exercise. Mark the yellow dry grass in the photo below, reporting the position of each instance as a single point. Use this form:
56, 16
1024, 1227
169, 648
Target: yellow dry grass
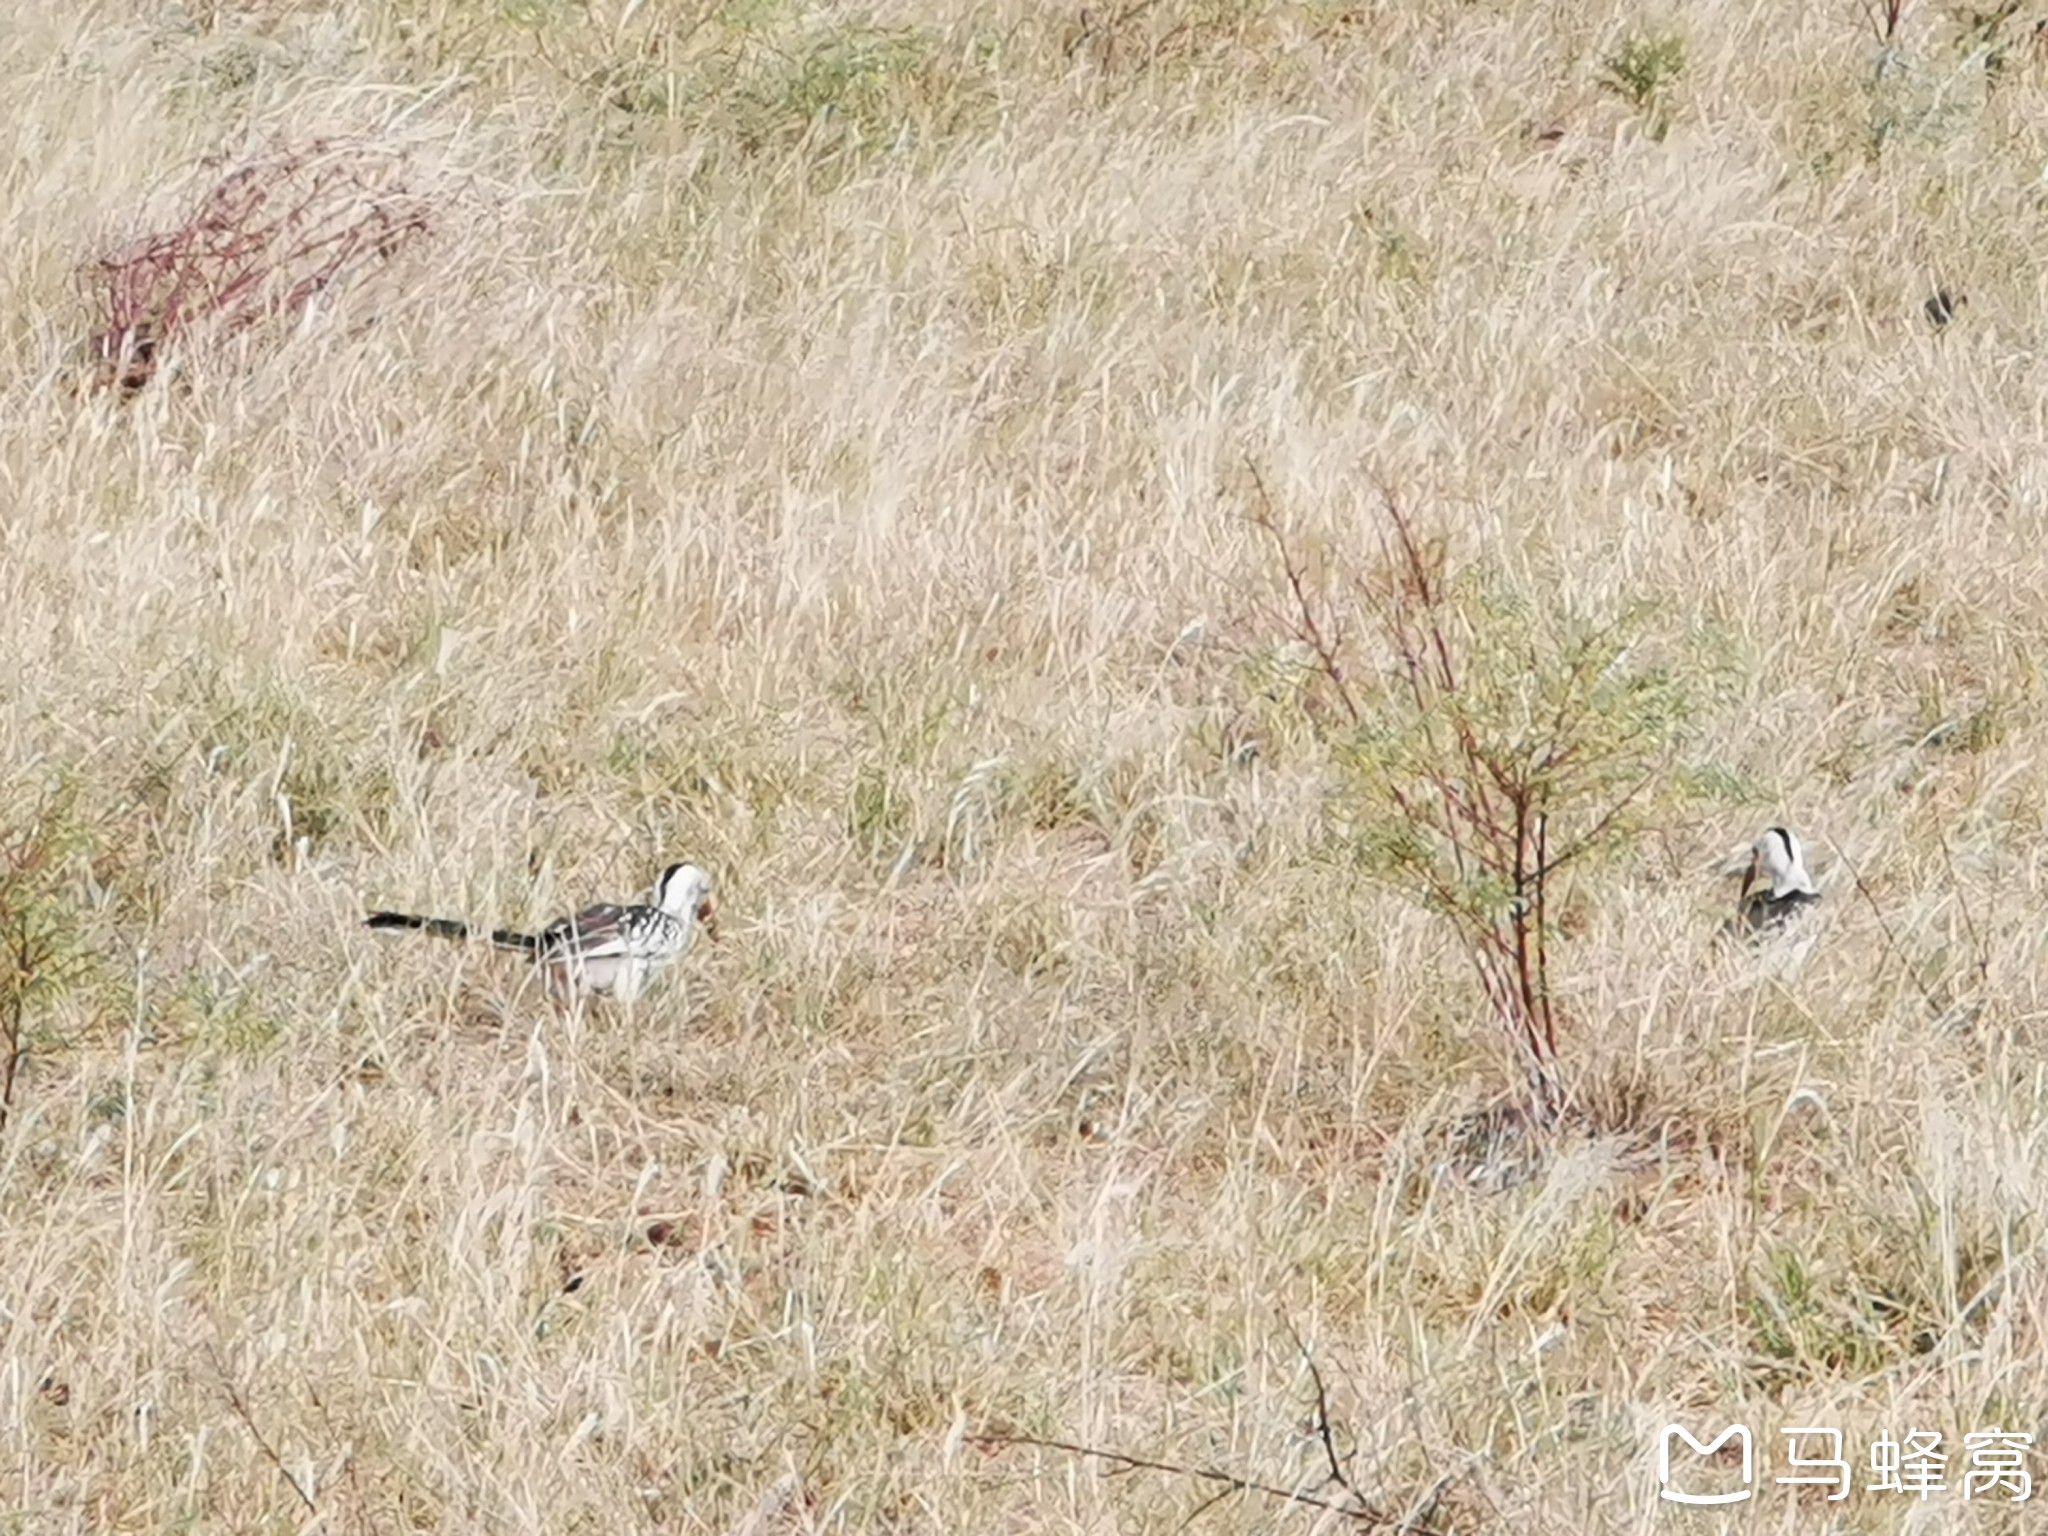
819, 442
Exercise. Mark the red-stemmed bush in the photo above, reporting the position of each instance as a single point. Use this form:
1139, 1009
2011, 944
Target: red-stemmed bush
272, 235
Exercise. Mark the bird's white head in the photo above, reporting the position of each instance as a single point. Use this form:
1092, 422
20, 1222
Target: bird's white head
1780, 857
684, 891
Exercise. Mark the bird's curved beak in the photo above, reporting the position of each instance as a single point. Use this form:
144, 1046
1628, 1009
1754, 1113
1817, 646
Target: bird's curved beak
707, 919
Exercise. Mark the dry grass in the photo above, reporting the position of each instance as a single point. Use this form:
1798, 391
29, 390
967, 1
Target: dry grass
820, 445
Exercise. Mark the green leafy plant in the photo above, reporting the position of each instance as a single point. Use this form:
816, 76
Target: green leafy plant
1642, 70
1804, 1326
1643, 67
1499, 747
848, 93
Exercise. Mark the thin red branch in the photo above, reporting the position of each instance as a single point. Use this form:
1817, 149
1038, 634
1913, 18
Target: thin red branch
1328, 648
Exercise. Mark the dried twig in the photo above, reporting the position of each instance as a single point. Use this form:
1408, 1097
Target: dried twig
1324, 1432
1891, 939
1346, 1508
241, 1411
1353, 1506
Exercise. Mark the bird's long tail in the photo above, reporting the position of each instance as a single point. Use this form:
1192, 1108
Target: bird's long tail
449, 928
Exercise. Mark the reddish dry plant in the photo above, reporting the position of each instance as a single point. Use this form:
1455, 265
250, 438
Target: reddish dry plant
271, 236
